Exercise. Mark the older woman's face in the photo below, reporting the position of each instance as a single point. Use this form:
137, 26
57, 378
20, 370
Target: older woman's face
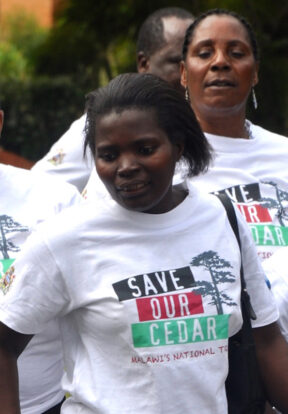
220, 68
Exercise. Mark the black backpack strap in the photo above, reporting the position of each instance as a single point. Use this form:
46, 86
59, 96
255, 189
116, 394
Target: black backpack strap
244, 388
245, 299
227, 203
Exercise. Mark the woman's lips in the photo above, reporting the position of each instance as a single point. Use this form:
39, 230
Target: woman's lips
220, 83
131, 187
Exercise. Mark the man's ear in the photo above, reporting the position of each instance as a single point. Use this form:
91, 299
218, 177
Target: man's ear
1, 120
183, 72
142, 63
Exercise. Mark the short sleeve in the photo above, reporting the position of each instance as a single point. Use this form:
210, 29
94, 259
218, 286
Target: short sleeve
66, 160
34, 289
276, 270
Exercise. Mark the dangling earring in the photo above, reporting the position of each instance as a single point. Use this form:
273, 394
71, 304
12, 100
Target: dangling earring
187, 95
254, 99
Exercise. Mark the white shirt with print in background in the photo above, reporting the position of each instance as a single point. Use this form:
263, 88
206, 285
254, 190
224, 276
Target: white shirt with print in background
65, 158
26, 199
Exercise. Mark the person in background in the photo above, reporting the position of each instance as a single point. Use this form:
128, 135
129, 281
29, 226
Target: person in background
159, 51
159, 44
148, 288
26, 199
220, 72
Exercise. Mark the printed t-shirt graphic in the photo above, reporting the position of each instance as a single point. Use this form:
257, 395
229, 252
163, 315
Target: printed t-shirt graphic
8, 227
168, 301
264, 206
57, 158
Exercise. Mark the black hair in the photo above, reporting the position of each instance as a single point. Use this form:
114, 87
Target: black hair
218, 12
151, 34
150, 93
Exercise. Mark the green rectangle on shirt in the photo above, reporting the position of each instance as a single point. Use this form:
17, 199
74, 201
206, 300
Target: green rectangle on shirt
269, 235
180, 331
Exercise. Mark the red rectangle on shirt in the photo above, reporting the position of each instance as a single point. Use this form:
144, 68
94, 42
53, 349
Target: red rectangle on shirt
170, 306
254, 213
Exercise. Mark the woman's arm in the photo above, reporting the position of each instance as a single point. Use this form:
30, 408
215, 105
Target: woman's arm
11, 345
272, 353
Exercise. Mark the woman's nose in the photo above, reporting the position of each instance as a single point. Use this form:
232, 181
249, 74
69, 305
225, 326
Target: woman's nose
128, 165
220, 61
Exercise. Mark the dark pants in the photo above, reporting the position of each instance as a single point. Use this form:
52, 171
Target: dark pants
56, 409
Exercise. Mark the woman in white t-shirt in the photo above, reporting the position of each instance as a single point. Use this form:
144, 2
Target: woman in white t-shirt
220, 71
147, 286
26, 199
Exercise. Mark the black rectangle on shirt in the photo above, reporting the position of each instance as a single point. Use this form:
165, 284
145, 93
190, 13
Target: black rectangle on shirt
244, 193
155, 283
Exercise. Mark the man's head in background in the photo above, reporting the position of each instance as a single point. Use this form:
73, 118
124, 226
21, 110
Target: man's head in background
159, 43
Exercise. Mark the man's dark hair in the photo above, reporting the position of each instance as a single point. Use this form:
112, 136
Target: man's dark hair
147, 92
219, 12
150, 36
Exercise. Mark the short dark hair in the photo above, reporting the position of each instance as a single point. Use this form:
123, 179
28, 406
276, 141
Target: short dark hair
191, 29
151, 34
150, 93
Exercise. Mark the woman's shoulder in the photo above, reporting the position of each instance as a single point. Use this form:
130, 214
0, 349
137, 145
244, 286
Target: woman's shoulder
269, 136
207, 199
76, 220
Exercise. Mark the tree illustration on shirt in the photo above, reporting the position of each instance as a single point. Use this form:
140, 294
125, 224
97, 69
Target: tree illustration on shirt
281, 195
217, 269
8, 225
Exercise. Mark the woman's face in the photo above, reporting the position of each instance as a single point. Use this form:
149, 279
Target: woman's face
136, 160
220, 68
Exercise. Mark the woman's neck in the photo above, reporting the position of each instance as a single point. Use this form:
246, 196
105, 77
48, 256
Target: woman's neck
228, 126
180, 192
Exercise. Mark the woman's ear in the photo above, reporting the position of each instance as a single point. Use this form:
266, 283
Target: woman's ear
183, 72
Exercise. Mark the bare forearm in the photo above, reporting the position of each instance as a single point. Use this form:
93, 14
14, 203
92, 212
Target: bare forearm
9, 395
12, 343
272, 352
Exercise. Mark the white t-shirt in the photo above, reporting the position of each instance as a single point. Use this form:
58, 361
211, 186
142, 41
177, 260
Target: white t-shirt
254, 173
26, 199
95, 190
276, 268
65, 158
146, 303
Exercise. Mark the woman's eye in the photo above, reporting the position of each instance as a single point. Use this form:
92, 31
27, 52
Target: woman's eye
146, 150
107, 156
204, 54
237, 54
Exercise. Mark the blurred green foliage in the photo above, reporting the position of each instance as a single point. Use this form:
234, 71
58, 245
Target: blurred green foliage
21, 33
37, 111
38, 107
92, 41
12, 63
